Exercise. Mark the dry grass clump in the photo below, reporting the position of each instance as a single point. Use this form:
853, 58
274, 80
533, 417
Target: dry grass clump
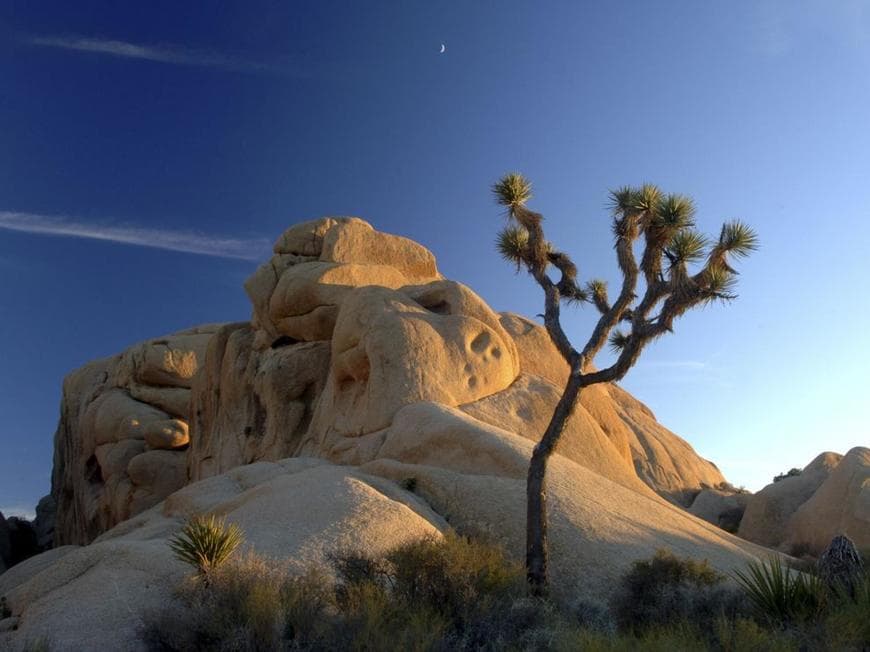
459, 594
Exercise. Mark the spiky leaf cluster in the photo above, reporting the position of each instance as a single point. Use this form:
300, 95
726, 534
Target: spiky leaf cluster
512, 242
206, 542
512, 191
522, 243
663, 224
671, 244
671, 214
738, 239
618, 340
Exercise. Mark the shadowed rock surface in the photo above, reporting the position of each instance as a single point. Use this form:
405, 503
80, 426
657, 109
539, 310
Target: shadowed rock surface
720, 507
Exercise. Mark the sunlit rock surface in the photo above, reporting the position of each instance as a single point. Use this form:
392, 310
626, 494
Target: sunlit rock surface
120, 445
803, 513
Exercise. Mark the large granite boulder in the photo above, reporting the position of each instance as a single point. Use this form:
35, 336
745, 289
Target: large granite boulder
122, 413
96, 596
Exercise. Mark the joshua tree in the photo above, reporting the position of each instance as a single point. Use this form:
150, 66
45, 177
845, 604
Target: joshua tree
662, 227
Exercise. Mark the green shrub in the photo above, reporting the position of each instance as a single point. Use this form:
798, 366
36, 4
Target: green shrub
667, 590
743, 634
237, 609
459, 594
847, 624
454, 576
206, 542
780, 594
463, 589
791, 473
430, 594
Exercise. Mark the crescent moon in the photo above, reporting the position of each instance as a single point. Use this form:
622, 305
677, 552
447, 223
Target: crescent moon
443, 48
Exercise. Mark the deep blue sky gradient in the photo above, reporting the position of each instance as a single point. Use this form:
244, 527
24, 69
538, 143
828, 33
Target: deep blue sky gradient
757, 109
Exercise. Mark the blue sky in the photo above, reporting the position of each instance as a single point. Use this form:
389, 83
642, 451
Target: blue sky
203, 134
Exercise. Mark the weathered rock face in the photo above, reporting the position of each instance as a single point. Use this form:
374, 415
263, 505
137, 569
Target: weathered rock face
830, 497
251, 404
123, 430
43, 525
840, 506
350, 328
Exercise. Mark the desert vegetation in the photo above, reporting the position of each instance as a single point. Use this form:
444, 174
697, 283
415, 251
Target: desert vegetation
662, 227
458, 593
791, 473
206, 542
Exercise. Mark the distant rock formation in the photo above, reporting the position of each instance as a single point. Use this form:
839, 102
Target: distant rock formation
18, 541
5, 544
43, 524
803, 513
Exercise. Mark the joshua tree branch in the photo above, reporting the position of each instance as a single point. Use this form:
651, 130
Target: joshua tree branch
536, 262
628, 264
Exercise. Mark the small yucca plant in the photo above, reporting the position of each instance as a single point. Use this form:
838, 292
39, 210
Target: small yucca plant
206, 542
781, 594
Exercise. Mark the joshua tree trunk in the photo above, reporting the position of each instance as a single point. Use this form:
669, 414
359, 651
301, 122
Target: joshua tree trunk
536, 492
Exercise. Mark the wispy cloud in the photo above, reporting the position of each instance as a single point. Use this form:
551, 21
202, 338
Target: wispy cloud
184, 241
169, 54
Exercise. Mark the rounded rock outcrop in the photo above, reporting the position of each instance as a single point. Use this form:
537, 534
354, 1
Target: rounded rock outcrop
768, 511
839, 506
